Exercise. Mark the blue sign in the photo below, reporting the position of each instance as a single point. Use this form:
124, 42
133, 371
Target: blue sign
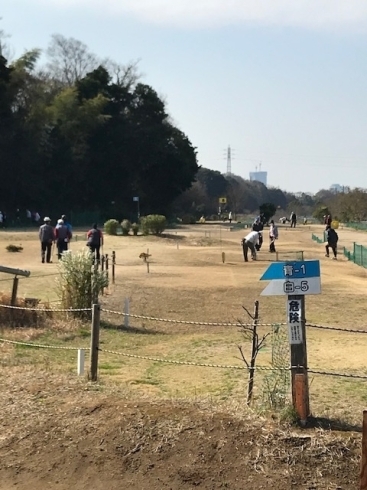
292, 270
136, 199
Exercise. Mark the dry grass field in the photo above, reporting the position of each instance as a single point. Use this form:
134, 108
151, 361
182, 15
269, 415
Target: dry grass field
188, 281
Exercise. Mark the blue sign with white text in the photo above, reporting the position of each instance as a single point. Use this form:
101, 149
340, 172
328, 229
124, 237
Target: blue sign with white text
292, 270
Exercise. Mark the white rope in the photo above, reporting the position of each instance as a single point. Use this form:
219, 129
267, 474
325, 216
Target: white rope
44, 309
42, 346
186, 322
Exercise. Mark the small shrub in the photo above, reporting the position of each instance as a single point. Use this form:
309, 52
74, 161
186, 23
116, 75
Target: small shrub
77, 283
188, 219
126, 227
135, 227
14, 248
154, 224
111, 227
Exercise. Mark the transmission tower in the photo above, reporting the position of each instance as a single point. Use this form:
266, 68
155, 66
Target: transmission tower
229, 160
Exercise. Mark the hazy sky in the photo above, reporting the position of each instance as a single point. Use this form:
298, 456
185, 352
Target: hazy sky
283, 82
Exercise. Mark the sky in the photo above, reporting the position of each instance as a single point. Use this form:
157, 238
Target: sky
282, 82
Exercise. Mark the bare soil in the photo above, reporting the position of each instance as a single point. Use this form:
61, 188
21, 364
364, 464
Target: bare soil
62, 433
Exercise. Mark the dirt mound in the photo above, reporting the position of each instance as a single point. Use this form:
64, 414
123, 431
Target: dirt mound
60, 433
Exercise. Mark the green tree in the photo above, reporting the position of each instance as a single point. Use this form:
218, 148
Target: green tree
267, 209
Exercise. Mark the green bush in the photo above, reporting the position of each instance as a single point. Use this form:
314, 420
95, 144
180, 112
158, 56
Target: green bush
153, 224
111, 227
188, 219
135, 227
78, 283
126, 227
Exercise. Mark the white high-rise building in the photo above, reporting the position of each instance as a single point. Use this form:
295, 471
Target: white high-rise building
259, 176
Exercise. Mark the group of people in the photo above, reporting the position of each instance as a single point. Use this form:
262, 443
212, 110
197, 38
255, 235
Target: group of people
254, 240
61, 235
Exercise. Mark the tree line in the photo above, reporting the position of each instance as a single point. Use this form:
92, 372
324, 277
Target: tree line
79, 133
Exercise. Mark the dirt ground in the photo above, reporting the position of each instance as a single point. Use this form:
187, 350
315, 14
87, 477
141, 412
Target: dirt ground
58, 433
148, 425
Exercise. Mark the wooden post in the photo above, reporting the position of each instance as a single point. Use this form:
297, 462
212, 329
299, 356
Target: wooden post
223, 257
301, 406
94, 282
103, 258
363, 474
94, 342
298, 352
107, 264
14, 292
253, 353
126, 311
113, 266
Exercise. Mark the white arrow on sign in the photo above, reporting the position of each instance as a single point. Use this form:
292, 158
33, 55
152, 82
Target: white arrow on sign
279, 287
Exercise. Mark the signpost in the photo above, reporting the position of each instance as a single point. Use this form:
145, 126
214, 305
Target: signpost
295, 280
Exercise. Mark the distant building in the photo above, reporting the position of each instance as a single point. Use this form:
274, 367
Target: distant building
259, 176
337, 188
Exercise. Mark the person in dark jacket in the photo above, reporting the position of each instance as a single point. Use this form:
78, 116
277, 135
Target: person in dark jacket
293, 219
259, 227
63, 236
95, 241
332, 241
47, 238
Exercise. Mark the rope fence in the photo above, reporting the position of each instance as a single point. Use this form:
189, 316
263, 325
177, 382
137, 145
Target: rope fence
184, 322
186, 363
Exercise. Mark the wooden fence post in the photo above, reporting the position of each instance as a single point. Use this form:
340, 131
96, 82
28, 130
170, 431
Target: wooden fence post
94, 342
107, 264
297, 339
126, 311
113, 266
14, 292
363, 474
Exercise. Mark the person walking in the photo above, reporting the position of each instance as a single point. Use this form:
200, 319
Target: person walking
66, 223
293, 219
259, 227
47, 238
250, 241
273, 235
230, 217
332, 242
95, 241
63, 236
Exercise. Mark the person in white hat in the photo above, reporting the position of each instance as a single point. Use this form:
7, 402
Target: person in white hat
47, 238
63, 236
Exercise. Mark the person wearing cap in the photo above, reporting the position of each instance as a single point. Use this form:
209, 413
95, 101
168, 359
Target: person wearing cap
47, 238
259, 227
63, 236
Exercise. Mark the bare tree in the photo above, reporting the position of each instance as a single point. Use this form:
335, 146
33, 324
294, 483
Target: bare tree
123, 75
5, 49
69, 59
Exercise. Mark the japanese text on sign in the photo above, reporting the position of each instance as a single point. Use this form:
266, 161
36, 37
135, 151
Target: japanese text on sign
291, 287
294, 319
